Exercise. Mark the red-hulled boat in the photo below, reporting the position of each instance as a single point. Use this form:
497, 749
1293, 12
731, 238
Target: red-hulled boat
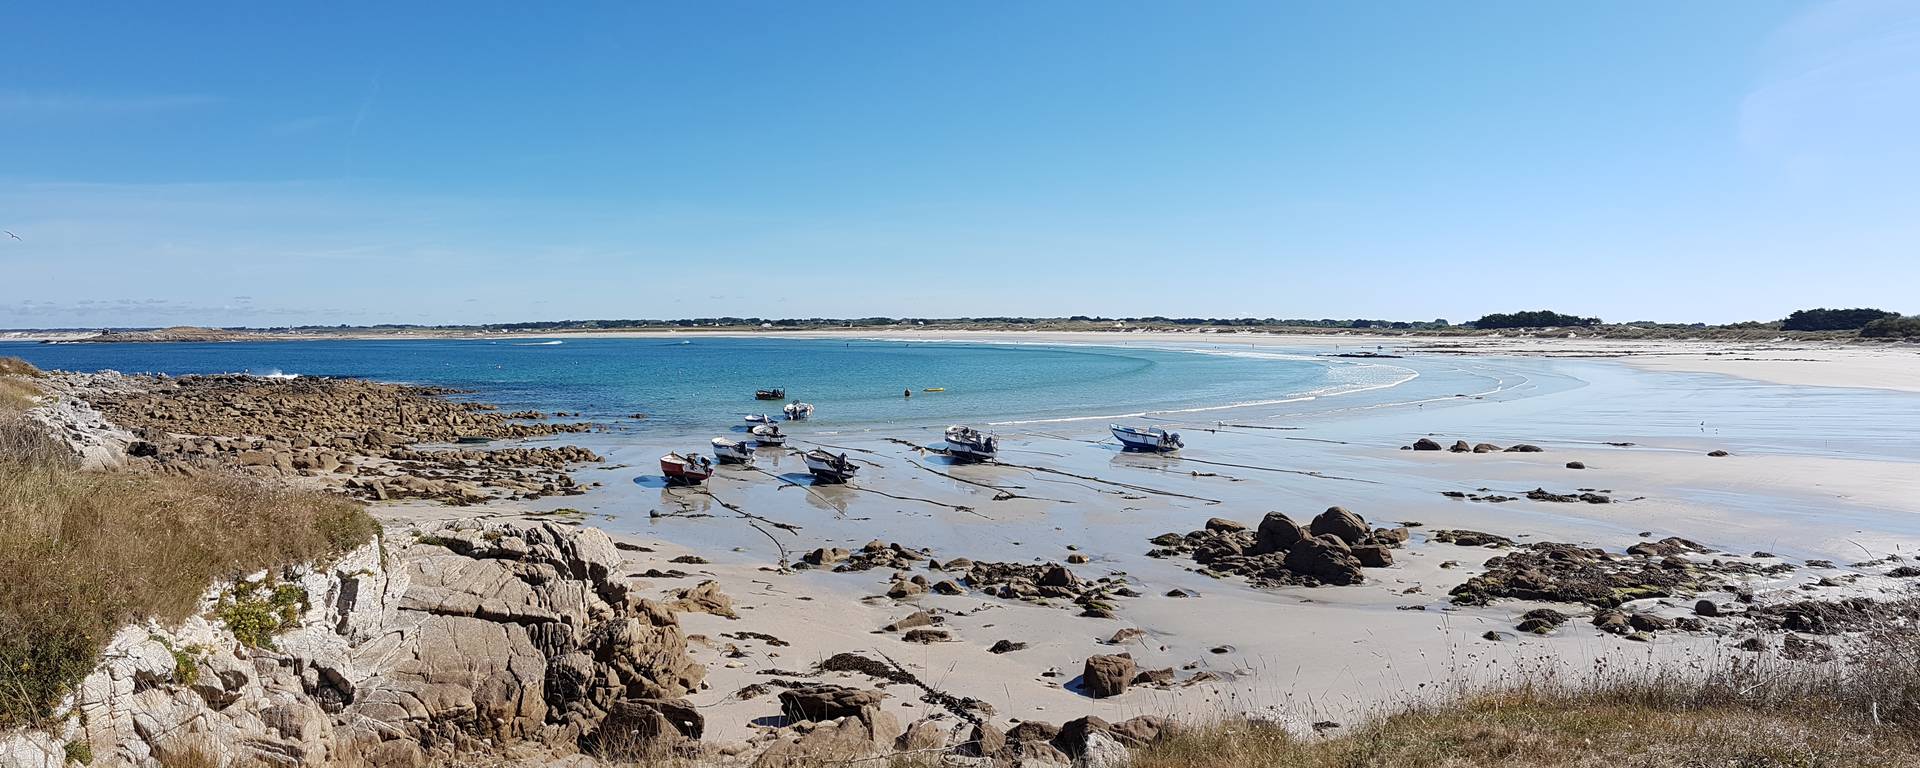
690, 469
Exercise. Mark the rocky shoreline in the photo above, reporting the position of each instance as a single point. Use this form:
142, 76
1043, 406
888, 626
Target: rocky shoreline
358, 437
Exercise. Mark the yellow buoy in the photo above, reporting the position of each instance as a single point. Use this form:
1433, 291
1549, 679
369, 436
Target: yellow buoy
934, 389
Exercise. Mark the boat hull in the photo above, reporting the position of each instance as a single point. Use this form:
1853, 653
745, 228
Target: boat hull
969, 453
826, 470
1146, 442
732, 452
679, 471
966, 444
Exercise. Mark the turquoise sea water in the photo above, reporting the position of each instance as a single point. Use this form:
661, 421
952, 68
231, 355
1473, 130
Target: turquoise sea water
704, 382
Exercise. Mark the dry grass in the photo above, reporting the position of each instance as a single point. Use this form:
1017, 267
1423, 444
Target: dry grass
1752, 712
17, 392
13, 366
83, 553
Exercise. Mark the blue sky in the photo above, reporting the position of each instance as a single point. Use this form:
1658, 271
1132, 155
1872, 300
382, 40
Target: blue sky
277, 163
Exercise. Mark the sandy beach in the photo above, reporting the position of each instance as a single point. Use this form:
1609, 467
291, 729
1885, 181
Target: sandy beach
1296, 654
1784, 473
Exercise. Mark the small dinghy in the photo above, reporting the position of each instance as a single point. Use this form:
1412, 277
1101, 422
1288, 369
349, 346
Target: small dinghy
970, 445
759, 418
732, 451
770, 394
829, 467
1153, 439
799, 411
690, 469
769, 435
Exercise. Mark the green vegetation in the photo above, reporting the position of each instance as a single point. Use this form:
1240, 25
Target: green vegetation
1833, 319
256, 611
85, 553
1893, 328
79, 752
1536, 319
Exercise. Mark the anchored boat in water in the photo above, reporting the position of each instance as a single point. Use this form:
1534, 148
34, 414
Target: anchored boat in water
829, 467
759, 418
968, 444
799, 411
770, 394
690, 469
732, 451
1153, 439
769, 434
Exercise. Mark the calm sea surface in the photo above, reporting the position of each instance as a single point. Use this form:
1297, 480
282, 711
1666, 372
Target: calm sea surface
699, 383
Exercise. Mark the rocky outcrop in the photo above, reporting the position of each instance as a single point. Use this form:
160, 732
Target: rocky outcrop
1332, 549
469, 638
344, 434
1557, 572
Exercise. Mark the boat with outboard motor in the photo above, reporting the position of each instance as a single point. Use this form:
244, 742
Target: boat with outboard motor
829, 467
769, 435
798, 411
1147, 439
971, 445
690, 469
732, 451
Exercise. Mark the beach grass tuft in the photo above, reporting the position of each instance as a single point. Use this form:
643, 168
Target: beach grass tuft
84, 553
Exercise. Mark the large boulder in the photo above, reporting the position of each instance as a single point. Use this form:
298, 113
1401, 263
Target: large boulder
1425, 444
1277, 533
1325, 559
1108, 675
1340, 524
825, 701
489, 633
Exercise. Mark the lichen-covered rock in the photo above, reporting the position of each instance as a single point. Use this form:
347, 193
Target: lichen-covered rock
399, 651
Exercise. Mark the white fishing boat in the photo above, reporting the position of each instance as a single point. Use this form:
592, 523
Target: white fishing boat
829, 467
732, 451
689, 469
799, 411
769, 435
759, 418
1153, 439
968, 444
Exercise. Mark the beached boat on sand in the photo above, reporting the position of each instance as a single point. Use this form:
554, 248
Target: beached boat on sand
770, 394
732, 451
1152, 439
968, 444
829, 467
769, 434
798, 411
690, 469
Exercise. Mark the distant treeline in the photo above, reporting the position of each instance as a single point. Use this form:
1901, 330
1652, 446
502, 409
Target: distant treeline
1872, 323
1536, 319
1834, 319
